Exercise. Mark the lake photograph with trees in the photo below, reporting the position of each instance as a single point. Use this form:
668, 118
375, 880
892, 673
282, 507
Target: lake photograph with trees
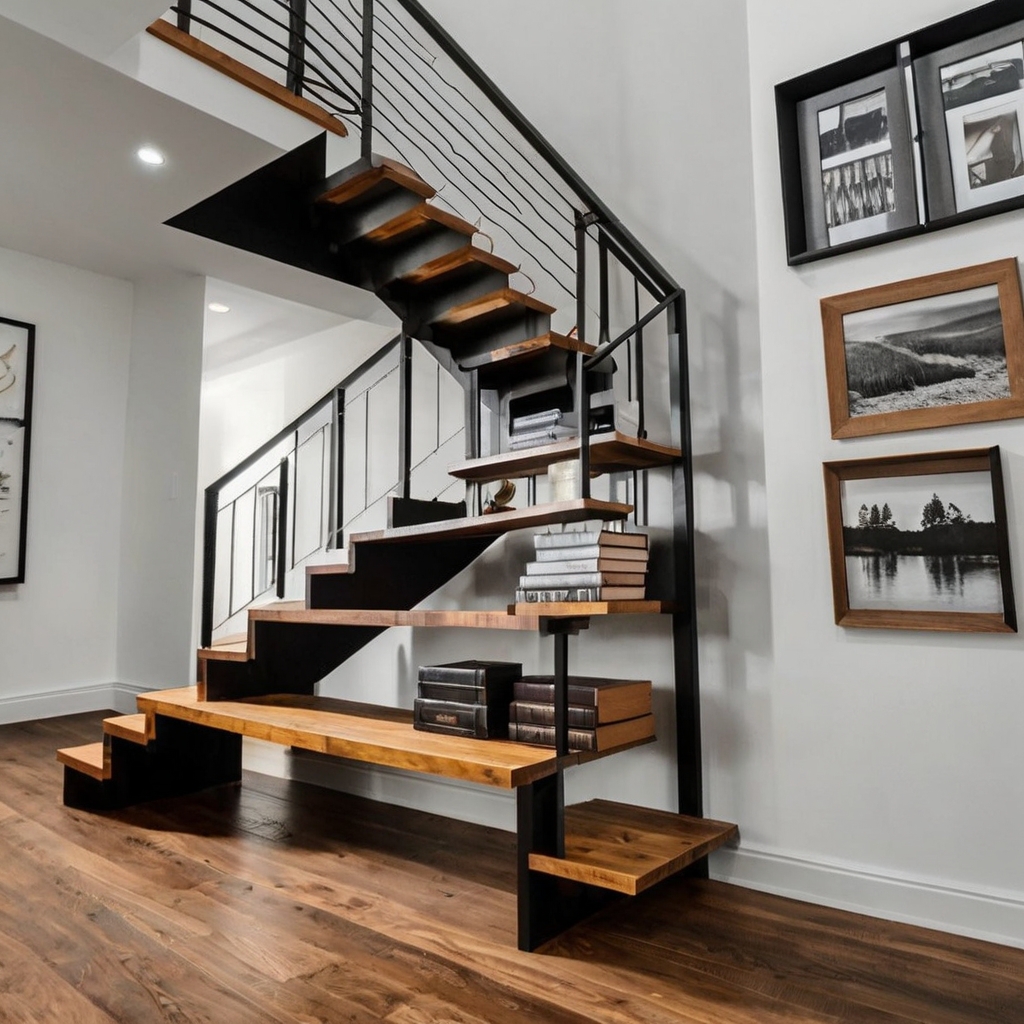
941, 350
922, 543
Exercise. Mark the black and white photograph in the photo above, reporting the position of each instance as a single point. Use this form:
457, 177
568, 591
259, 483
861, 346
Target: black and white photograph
856, 167
920, 535
12, 474
938, 343
984, 102
15, 342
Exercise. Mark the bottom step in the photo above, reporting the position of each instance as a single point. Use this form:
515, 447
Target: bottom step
90, 759
628, 849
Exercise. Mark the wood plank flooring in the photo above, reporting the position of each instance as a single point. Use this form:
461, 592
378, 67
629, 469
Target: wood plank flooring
279, 902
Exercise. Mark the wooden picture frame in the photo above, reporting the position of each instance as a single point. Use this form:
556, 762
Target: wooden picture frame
910, 561
927, 352
17, 354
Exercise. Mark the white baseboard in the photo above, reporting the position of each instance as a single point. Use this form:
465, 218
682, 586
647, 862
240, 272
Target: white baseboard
115, 696
992, 915
482, 805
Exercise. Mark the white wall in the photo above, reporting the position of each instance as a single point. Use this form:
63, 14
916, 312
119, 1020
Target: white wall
895, 777
58, 629
154, 634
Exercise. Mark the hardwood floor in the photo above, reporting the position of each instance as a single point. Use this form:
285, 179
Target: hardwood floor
279, 902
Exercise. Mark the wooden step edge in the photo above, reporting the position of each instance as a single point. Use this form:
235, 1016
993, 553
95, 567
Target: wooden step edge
138, 728
451, 262
328, 569
242, 73
239, 652
523, 350
92, 759
531, 517
386, 170
629, 849
502, 299
416, 219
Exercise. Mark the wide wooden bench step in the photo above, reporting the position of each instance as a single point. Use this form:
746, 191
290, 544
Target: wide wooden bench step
424, 217
628, 849
385, 176
361, 732
575, 511
503, 302
612, 452
134, 728
92, 759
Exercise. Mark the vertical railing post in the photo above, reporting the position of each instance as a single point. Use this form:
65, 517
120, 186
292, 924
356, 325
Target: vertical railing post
405, 416
185, 23
473, 440
604, 312
296, 73
582, 398
211, 500
684, 621
366, 99
336, 482
282, 526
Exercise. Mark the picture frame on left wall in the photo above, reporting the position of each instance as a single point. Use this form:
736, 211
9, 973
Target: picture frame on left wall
17, 355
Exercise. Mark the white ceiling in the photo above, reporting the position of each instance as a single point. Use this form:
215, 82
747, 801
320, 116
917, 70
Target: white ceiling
71, 188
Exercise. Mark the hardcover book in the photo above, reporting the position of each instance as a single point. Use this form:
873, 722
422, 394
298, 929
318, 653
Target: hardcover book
604, 737
484, 721
561, 594
612, 564
471, 673
533, 713
614, 699
582, 579
588, 538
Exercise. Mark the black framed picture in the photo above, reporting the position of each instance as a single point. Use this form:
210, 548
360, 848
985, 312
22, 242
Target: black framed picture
17, 350
971, 98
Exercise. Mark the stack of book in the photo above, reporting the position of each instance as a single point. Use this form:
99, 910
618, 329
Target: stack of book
466, 698
585, 565
603, 713
541, 428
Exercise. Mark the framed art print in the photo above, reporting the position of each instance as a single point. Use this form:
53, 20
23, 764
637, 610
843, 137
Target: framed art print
17, 342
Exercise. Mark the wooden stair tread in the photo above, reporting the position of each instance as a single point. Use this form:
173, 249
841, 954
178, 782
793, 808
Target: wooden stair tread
384, 172
452, 262
91, 759
612, 452
577, 510
629, 849
503, 301
134, 728
235, 652
509, 363
229, 640
327, 569
361, 732
419, 218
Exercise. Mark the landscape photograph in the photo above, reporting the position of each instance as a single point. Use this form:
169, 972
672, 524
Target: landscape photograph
941, 350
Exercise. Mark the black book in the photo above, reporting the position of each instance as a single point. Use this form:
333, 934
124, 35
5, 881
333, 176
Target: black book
470, 682
484, 721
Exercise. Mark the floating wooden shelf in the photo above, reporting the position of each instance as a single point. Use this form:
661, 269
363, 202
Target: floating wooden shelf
578, 510
628, 849
585, 609
498, 619
609, 453
358, 732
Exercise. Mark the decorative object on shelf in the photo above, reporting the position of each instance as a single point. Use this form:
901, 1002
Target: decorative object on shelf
929, 352
17, 349
466, 698
585, 565
542, 428
920, 542
942, 109
499, 501
564, 480
972, 113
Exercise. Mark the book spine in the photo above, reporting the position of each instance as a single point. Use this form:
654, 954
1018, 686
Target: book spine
544, 736
476, 719
544, 693
566, 566
582, 579
452, 691
531, 713
594, 552
524, 596
451, 674
583, 538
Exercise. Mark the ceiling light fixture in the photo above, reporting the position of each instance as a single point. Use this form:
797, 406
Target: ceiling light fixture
218, 307
151, 156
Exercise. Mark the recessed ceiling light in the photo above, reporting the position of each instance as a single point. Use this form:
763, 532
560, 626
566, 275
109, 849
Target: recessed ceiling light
218, 307
149, 155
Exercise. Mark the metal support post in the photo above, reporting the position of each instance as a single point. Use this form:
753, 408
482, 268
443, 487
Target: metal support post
282, 526
296, 72
366, 99
582, 398
405, 415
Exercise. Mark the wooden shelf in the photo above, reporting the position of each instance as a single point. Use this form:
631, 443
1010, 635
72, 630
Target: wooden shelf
609, 453
586, 609
628, 849
498, 619
362, 732
578, 510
